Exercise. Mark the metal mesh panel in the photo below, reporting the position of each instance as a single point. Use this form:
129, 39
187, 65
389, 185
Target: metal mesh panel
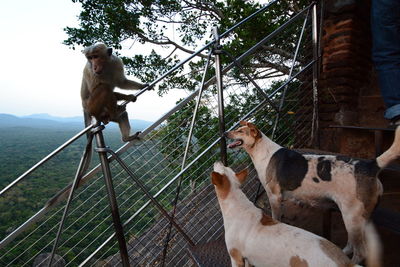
156, 160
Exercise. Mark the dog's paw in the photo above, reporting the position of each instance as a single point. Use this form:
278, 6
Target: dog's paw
348, 249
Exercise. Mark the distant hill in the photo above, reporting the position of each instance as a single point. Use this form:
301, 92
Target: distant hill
48, 121
46, 116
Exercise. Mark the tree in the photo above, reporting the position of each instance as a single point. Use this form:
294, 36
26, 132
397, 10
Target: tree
179, 27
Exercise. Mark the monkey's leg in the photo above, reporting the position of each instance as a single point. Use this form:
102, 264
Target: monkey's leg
125, 128
111, 109
88, 121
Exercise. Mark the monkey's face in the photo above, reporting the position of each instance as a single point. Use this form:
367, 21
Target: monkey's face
97, 62
98, 56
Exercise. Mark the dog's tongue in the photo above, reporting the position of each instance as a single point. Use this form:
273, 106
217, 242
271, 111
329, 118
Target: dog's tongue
234, 144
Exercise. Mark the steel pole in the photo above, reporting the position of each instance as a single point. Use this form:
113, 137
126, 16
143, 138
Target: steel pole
282, 101
119, 232
221, 116
78, 176
315, 125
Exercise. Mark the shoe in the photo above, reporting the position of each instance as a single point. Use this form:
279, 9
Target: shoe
394, 122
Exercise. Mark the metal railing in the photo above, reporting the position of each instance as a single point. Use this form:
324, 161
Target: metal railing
173, 158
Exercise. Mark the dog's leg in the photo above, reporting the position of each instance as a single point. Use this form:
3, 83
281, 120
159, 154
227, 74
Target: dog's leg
358, 240
354, 222
237, 259
247, 263
275, 201
348, 249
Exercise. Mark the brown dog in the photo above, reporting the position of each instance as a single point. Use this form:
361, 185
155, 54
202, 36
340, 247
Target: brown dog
351, 183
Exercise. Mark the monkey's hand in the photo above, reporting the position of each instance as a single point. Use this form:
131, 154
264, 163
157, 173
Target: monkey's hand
147, 85
131, 98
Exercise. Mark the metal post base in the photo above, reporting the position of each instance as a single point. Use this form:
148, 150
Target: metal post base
84, 163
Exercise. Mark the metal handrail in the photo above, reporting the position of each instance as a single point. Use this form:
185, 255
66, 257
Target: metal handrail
64, 192
189, 165
260, 43
149, 87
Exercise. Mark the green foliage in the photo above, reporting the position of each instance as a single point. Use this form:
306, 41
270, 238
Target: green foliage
179, 27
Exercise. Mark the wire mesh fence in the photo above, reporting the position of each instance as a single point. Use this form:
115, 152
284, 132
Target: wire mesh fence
255, 82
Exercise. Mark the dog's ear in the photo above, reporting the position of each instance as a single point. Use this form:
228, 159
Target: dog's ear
254, 130
241, 176
217, 178
251, 125
243, 123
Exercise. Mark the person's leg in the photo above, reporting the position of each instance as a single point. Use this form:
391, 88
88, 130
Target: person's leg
385, 26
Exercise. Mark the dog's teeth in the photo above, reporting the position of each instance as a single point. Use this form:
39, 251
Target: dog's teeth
235, 144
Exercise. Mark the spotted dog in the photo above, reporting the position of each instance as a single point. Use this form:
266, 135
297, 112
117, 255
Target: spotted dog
255, 238
351, 183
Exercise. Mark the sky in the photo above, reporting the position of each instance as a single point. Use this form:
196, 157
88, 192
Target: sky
38, 74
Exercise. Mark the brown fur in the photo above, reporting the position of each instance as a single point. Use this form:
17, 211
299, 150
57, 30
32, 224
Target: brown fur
296, 261
367, 194
267, 220
102, 104
222, 184
252, 130
242, 175
334, 253
237, 256
102, 73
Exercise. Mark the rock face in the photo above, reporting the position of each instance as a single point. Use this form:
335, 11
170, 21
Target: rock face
348, 91
43, 260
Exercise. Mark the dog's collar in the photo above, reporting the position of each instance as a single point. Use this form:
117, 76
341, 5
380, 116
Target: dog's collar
254, 144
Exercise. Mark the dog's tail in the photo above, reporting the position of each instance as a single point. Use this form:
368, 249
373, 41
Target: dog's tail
392, 153
373, 246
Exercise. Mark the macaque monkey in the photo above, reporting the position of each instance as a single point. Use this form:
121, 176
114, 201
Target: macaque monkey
102, 73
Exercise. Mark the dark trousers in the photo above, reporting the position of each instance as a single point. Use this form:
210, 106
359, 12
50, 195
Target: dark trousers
385, 26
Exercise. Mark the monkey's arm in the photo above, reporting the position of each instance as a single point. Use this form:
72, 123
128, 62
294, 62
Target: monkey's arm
120, 96
85, 93
128, 84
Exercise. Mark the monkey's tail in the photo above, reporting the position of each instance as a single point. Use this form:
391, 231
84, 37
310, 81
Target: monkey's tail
392, 153
373, 246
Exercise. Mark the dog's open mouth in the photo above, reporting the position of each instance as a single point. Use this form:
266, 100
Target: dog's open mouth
236, 143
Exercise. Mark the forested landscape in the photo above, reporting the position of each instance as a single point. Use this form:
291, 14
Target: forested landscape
20, 149
23, 146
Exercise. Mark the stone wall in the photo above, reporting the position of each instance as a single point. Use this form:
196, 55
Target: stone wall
348, 90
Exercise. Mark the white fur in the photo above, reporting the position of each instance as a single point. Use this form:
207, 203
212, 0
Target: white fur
342, 189
268, 245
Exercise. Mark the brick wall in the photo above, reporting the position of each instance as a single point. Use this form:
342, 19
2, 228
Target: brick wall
348, 91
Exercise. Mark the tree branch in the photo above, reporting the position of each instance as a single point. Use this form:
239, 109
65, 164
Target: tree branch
266, 64
168, 42
293, 6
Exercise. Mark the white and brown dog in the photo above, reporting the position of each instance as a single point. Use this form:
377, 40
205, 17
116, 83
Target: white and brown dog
262, 241
351, 183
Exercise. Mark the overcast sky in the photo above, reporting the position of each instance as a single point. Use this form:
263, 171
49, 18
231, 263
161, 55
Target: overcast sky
38, 74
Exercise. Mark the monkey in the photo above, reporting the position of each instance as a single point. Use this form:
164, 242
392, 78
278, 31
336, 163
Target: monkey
102, 73
103, 103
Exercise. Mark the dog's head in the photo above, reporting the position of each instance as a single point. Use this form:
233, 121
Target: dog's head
245, 136
225, 179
